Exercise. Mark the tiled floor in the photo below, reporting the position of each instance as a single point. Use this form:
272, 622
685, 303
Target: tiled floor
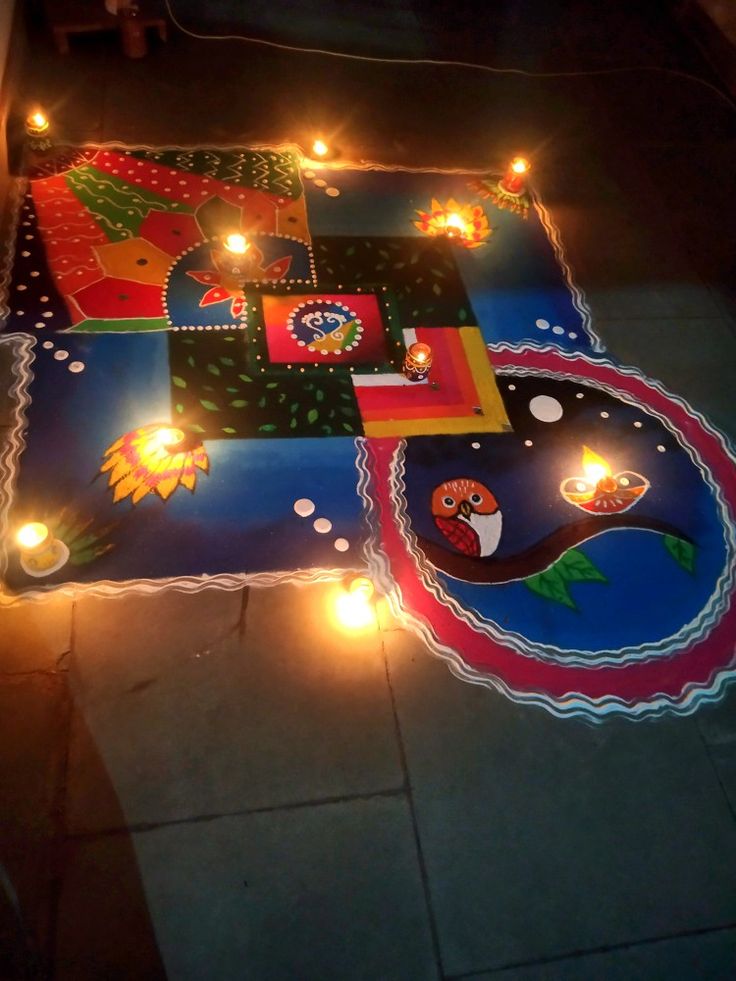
214, 786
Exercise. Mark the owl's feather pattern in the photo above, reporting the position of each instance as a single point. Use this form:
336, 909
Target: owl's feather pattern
460, 534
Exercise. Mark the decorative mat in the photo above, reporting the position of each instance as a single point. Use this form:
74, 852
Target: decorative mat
184, 417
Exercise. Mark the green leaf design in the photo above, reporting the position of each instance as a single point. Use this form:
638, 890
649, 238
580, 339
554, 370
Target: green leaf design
229, 429
462, 315
293, 407
262, 402
312, 415
245, 378
179, 407
210, 406
213, 369
319, 395
272, 385
347, 410
190, 361
436, 289
230, 389
681, 551
350, 250
229, 337
347, 427
195, 427
227, 361
344, 395
187, 340
238, 403
551, 585
267, 427
179, 382
575, 566
292, 424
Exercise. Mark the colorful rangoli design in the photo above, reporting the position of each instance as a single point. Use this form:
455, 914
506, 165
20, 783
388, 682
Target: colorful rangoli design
181, 419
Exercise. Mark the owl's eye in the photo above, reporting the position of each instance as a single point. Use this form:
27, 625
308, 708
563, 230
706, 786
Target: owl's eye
449, 502
475, 499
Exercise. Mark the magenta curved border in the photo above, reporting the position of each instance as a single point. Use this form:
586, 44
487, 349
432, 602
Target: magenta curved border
703, 666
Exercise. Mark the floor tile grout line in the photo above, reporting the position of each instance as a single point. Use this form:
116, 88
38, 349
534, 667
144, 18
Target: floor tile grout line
593, 951
143, 827
434, 932
711, 761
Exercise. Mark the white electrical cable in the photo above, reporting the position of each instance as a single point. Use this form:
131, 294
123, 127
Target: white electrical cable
440, 63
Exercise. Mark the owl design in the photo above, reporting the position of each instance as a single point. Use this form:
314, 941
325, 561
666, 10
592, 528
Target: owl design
468, 515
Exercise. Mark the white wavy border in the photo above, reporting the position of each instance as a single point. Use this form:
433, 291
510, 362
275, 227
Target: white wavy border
575, 705
688, 634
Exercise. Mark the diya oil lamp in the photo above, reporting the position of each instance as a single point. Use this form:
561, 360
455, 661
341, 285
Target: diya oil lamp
465, 224
354, 603
514, 180
320, 150
417, 362
40, 553
233, 258
599, 491
37, 129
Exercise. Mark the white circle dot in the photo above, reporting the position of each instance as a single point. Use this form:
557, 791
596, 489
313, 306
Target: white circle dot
637, 424
579, 395
304, 507
528, 442
511, 388
661, 449
61, 355
309, 174
342, 544
48, 345
580, 486
476, 446
558, 330
47, 314
624, 481
542, 324
323, 525
545, 408
572, 335
39, 323
76, 366
320, 183
604, 415
332, 192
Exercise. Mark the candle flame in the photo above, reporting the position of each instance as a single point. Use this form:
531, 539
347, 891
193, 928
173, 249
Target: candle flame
32, 534
353, 606
237, 243
320, 148
520, 165
595, 467
166, 437
456, 223
38, 118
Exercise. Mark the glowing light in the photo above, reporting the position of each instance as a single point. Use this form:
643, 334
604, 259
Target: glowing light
320, 148
353, 604
37, 124
520, 165
166, 437
32, 536
417, 362
237, 244
595, 467
455, 224
466, 224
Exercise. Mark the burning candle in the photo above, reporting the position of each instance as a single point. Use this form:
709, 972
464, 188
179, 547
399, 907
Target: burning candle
417, 362
514, 180
320, 149
234, 258
37, 128
237, 244
40, 553
455, 227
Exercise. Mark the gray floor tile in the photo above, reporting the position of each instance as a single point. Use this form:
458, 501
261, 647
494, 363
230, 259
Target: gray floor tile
178, 723
315, 893
717, 724
706, 957
544, 836
695, 358
32, 734
33, 636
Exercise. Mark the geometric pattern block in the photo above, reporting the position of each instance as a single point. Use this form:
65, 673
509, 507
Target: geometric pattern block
326, 328
421, 272
218, 391
460, 395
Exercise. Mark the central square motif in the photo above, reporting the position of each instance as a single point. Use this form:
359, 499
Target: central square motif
325, 329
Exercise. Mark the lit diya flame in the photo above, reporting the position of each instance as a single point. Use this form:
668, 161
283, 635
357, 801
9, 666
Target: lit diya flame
153, 459
465, 224
600, 491
320, 148
237, 244
37, 124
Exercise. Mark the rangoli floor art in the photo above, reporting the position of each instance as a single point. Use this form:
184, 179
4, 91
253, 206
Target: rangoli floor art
194, 409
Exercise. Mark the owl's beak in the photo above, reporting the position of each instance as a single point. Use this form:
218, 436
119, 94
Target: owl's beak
466, 509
